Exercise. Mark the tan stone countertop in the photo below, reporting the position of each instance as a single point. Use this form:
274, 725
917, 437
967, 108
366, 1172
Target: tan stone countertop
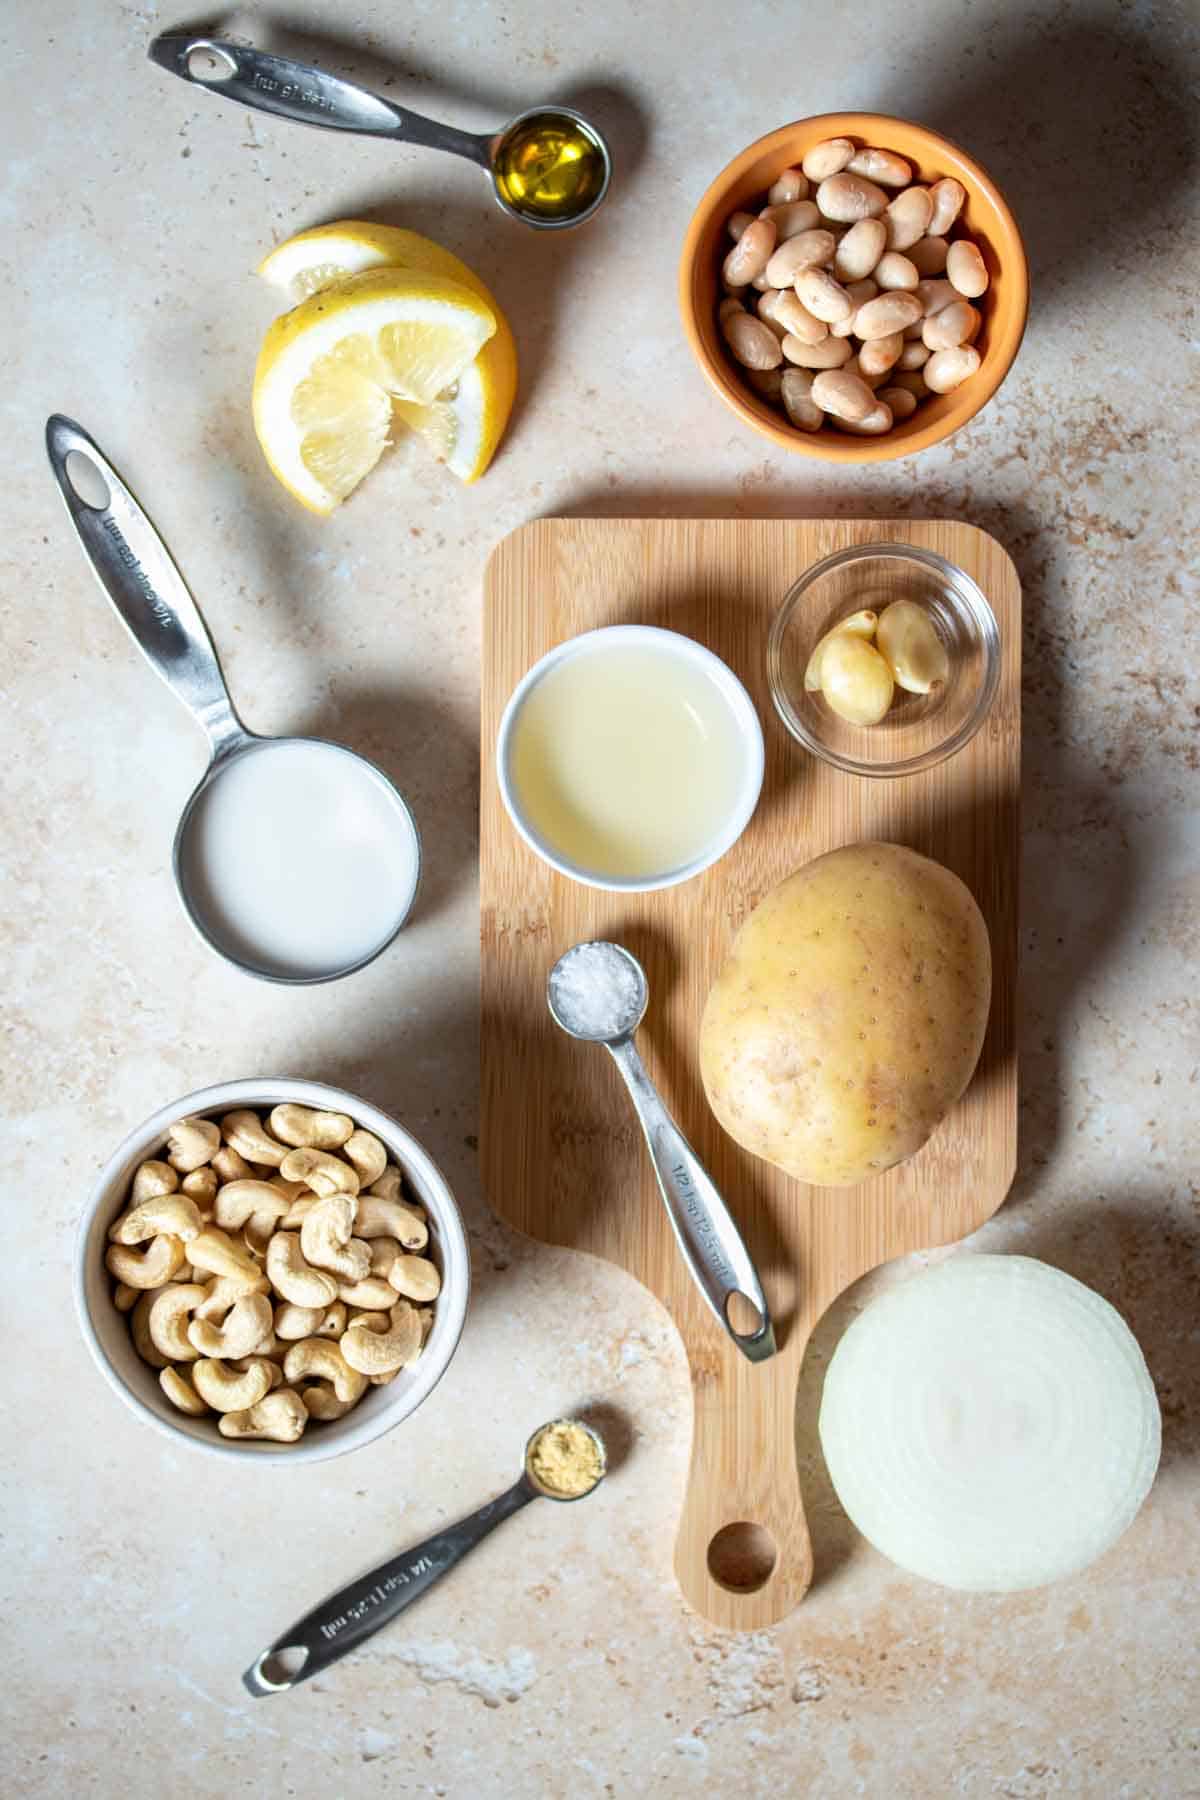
137, 1579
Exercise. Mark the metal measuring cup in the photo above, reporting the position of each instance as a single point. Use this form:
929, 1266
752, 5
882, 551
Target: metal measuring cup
136, 571
311, 96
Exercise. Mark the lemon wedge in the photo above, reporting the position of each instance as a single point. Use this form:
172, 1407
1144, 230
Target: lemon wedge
464, 424
329, 370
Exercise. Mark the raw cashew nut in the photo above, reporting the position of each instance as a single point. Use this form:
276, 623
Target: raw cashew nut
415, 1277
374, 1352
216, 1251
230, 1166
372, 1294
323, 1173
327, 1240
294, 1277
390, 1185
248, 1326
168, 1320
384, 1251
125, 1298
181, 1393
258, 1231
318, 1360
367, 1155
223, 1293
191, 1143
200, 1185
238, 1200
171, 1215
231, 1390
149, 1268
378, 1217
139, 1330
243, 1132
307, 1129
281, 1417
299, 1210
152, 1179
294, 1322
274, 1369
334, 1321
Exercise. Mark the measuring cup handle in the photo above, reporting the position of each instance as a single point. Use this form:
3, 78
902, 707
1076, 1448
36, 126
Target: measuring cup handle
704, 1228
134, 567
309, 96
359, 1610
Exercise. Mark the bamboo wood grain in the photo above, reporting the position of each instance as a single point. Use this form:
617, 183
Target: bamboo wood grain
562, 1156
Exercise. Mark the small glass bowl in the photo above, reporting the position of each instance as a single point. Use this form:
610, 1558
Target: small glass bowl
919, 730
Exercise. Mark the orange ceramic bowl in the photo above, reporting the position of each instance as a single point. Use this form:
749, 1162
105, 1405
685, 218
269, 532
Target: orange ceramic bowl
985, 217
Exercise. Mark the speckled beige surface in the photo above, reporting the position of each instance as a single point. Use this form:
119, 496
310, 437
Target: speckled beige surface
137, 1581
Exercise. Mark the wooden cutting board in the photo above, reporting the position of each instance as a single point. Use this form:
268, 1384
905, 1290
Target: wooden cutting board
563, 1159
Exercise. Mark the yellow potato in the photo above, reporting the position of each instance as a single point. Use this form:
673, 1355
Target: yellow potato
849, 1014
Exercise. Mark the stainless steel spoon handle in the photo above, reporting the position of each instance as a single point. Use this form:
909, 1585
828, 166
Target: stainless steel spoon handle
708, 1238
135, 569
293, 90
356, 1612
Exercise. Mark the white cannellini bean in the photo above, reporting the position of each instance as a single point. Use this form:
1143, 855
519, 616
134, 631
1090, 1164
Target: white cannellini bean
752, 343
751, 254
808, 249
823, 296
928, 255
792, 218
791, 185
830, 353
935, 294
883, 166
843, 393
955, 324
948, 196
768, 383
860, 249
914, 381
727, 306
907, 218
966, 268
760, 281
901, 403
914, 355
827, 158
798, 403
738, 222
874, 379
783, 306
885, 314
881, 354
860, 292
875, 424
894, 270
848, 198
948, 369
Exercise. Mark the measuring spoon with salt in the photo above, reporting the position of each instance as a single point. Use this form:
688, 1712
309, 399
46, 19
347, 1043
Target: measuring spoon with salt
340, 1623
295, 859
598, 992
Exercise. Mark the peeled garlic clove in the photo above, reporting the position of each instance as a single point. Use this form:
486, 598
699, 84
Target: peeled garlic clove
855, 680
915, 653
859, 624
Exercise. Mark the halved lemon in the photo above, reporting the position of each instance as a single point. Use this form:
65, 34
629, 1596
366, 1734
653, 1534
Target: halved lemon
329, 370
464, 424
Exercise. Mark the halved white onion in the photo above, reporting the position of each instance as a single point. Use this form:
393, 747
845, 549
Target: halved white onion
991, 1424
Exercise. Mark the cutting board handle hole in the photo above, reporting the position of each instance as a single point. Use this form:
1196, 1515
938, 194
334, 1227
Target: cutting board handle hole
742, 1556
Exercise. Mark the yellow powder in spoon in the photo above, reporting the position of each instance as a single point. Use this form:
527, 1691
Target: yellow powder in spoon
565, 1459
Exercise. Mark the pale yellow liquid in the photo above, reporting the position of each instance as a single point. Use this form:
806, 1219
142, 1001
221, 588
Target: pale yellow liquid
627, 761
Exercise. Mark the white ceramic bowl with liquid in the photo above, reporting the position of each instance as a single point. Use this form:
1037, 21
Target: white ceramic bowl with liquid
107, 1332
745, 728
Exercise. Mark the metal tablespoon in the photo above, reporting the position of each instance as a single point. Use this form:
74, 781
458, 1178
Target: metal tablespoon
598, 992
363, 1607
310, 96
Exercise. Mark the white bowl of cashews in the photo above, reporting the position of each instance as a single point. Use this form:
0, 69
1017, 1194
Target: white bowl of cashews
274, 1273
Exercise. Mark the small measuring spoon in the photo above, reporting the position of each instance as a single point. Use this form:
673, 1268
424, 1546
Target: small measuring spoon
598, 992
362, 1608
549, 167
295, 859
